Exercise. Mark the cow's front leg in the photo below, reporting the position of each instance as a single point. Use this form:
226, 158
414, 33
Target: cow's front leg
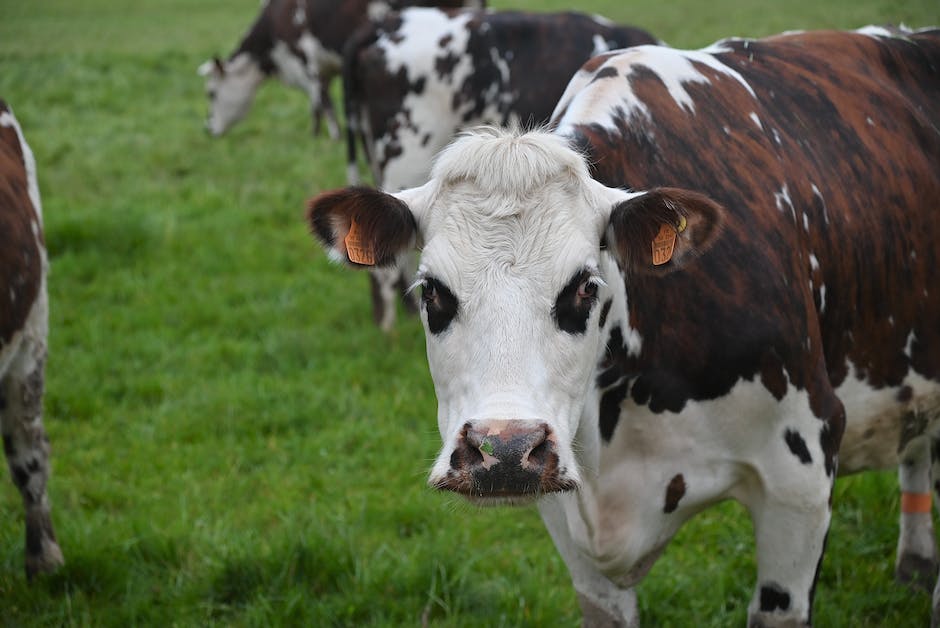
27, 452
603, 603
384, 282
791, 522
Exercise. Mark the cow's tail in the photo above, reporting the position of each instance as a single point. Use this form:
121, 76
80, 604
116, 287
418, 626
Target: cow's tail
364, 36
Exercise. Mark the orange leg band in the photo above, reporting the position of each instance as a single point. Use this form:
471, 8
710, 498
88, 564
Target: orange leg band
915, 502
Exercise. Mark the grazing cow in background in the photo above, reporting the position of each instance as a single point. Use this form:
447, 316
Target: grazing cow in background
23, 331
300, 41
629, 358
411, 81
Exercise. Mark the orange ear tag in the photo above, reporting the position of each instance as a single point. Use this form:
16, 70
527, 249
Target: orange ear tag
663, 245
356, 248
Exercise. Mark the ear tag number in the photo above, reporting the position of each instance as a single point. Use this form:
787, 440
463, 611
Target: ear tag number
664, 244
356, 248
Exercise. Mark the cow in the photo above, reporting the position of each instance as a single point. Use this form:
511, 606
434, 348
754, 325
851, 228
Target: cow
711, 272
299, 41
23, 333
414, 79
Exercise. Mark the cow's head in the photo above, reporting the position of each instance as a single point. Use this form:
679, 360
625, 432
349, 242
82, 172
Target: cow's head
515, 240
231, 87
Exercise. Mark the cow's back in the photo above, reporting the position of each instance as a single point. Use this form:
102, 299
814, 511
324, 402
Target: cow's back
540, 52
824, 148
420, 75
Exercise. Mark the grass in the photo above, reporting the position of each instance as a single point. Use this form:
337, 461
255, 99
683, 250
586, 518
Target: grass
234, 442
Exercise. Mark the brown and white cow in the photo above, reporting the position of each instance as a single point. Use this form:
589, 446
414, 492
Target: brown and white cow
300, 42
414, 79
23, 331
628, 358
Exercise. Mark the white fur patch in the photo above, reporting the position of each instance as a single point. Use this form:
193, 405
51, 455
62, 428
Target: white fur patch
675, 68
426, 121
877, 411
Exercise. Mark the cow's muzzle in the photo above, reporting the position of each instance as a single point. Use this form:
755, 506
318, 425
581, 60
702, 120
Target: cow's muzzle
505, 461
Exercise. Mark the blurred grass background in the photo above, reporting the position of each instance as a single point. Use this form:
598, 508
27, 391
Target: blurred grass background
234, 443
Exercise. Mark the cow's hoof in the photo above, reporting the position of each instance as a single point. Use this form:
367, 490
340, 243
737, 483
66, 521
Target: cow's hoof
916, 572
47, 561
594, 616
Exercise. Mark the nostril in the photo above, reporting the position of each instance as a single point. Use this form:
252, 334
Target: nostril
467, 453
539, 455
473, 437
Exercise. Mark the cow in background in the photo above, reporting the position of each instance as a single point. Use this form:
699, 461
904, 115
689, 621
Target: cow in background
715, 279
300, 42
414, 79
23, 333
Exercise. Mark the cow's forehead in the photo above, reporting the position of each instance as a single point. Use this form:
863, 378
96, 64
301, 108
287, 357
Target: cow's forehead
476, 238
518, 202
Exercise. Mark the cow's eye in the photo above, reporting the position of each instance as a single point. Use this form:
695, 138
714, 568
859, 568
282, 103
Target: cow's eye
440, 303
575, 301
429, 290
588, 289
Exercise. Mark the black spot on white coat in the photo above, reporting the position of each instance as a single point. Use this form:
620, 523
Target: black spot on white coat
798, 446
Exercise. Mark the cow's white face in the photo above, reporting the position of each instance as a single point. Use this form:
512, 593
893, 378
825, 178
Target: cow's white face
513, 278
231, 87
510, 299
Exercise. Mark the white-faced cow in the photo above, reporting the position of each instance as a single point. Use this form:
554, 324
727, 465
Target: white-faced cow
300, 42
23, 331
628, 358
411, 81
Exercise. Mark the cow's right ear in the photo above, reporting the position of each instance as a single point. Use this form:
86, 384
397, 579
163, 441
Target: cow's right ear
362, 226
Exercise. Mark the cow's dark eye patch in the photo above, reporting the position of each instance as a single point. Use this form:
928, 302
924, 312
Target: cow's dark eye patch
440, 303
574, 303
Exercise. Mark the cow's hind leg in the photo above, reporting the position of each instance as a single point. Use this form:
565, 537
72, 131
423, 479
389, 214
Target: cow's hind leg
321, 103
935, 476
27, 452
916, 563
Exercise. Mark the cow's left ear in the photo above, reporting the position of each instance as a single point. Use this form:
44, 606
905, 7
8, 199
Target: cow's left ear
362, 226
210, 67
660, 230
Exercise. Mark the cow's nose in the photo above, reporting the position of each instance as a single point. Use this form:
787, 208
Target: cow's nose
516, 443
505, 458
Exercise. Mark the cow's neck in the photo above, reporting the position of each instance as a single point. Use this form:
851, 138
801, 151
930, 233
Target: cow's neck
610, 518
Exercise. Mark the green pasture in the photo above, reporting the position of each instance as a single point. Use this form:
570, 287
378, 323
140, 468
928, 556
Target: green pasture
234, 443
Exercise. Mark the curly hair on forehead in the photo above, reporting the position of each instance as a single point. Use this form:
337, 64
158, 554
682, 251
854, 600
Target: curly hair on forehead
509, 160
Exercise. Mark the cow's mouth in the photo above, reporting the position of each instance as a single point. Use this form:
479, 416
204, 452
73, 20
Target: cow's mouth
500, 490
